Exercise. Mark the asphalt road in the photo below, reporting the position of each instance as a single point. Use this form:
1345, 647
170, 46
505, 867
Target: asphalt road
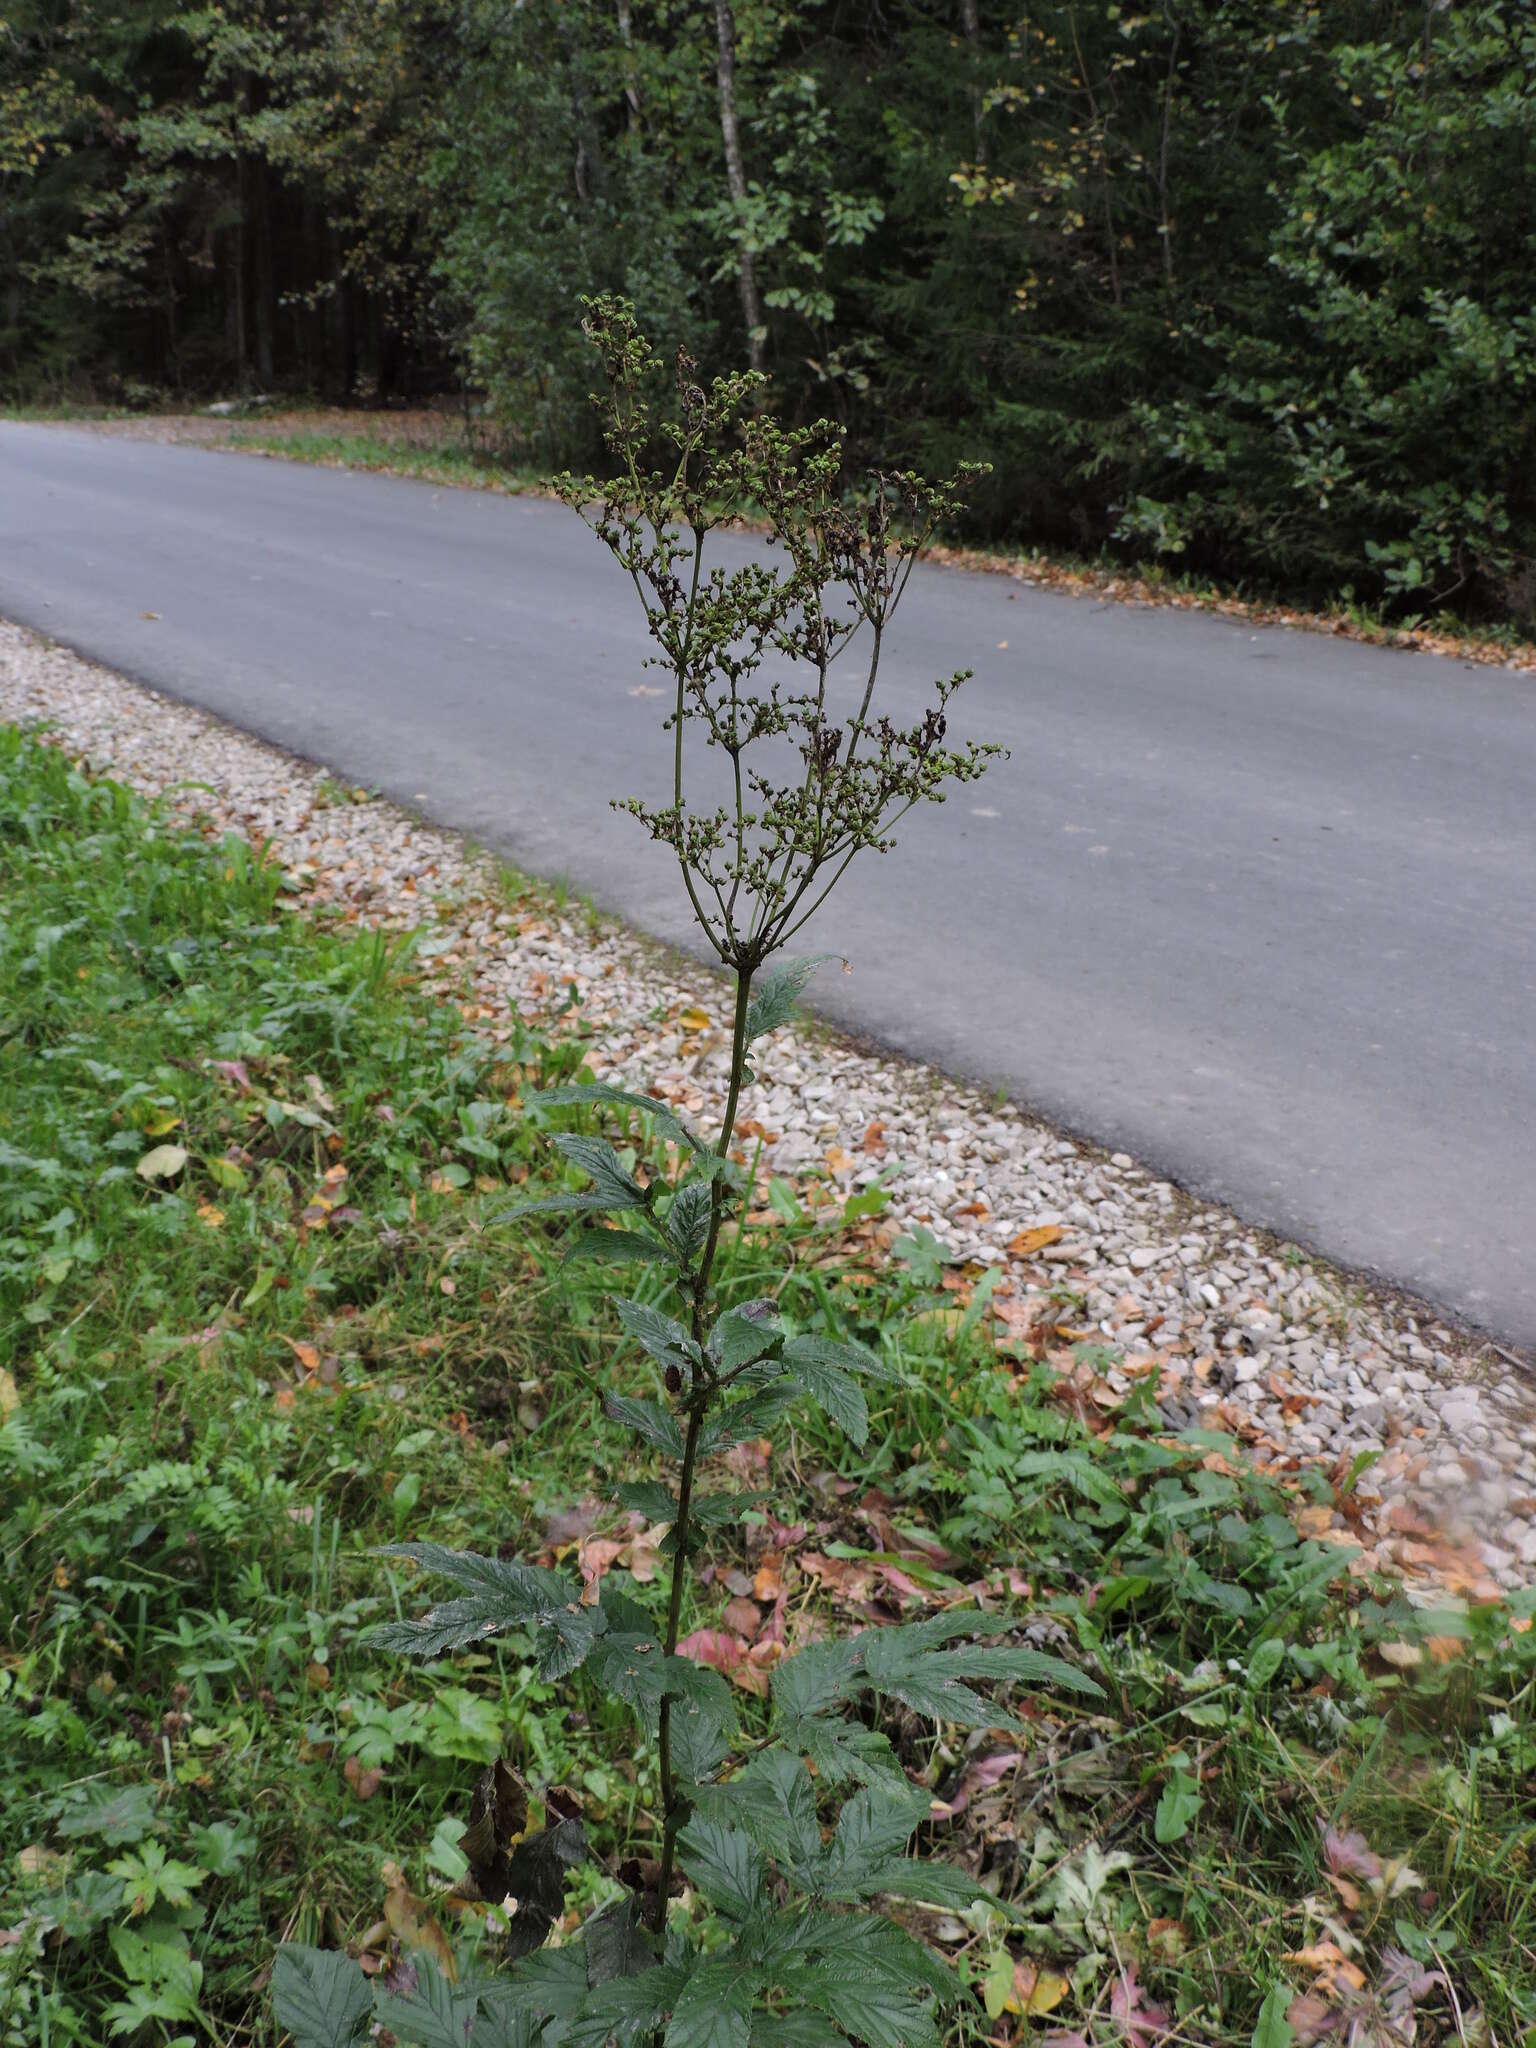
1254, 905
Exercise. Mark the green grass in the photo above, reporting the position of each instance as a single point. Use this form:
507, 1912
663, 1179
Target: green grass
449, 461
217, 1410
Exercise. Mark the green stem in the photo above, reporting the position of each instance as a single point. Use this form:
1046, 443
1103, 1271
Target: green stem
698, 1407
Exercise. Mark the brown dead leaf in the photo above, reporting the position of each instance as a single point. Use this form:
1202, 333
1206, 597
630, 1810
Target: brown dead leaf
768, 1579
363, 1783
410, 1921
1030, 1241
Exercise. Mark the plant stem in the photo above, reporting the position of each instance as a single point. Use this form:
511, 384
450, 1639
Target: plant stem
698, 1407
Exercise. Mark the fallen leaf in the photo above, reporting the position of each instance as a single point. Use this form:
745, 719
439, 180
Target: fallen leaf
364, 1783
308, 1355
163, 1163
10, 1399
1350, 1852
209, 1216
1035, 1991
1140, 2020
726, 1654
1034, 1240
410, 1921
694, 1019
1401, 1656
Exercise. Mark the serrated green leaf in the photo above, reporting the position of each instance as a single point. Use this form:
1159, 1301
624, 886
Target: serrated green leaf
111, 1814
624, 2012
553, 1205
601, 1094
743, 1334
617, 1248
650, 1498
803, 2029
854, 1358
838, 1393
774, 1800
595, 1157
712, 2008
777, 990
648, 1419
820, 1676
843, 1752
740, 1422
662, 1336
725, 1864
875, 1825
433, 2013
319, 1995
688, 1218
879, 2016
500, 1595
934, 1883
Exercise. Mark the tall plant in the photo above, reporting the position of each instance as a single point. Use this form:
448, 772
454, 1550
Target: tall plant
791, 1832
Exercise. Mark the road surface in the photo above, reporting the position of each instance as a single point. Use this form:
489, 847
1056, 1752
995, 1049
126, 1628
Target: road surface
1254, 905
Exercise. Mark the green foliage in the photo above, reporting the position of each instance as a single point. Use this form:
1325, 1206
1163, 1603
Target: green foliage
190, 1524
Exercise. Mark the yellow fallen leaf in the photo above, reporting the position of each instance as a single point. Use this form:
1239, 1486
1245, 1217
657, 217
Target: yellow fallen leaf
1035, 1991
1401, 1656
157, 1127
694, 1019
210, 1216
163, 1163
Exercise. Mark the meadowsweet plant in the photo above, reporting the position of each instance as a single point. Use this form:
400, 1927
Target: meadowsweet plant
785, 1835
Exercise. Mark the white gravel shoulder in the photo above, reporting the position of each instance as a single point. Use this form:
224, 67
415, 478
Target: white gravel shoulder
1301, 1362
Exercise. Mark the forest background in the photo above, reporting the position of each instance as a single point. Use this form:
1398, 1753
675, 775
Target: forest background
1245, 287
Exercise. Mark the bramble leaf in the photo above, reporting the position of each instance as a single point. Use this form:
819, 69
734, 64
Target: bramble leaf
319, 1995
726, 1865
434, 2013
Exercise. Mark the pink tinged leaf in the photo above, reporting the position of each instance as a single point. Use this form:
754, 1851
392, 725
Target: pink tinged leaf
235, 1071
1140, 2021
1399, 1972
1064, 2037
714, 1646
1351, 1854
981, 1774
1311, 2017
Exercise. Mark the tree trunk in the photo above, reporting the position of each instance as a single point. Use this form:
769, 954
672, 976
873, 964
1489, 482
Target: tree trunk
262, 283
736, 179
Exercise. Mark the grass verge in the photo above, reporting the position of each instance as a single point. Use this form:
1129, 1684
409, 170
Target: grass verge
257, 1318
